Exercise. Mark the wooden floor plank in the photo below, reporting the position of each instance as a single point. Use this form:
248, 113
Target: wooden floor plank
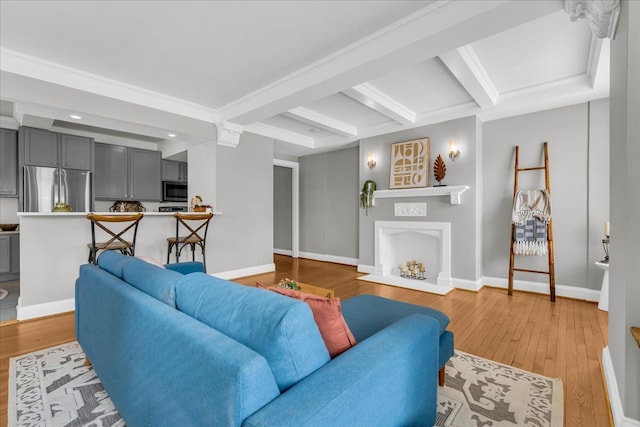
562, 339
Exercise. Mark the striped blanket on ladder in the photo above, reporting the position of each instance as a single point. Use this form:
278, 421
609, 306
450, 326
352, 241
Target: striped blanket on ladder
531, 214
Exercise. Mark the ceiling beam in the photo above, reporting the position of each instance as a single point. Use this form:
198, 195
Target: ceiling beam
465, 65
440, 27
280, 134
320, 120
378, 101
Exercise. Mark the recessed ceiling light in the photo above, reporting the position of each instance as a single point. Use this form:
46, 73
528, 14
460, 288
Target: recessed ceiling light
315, 130
171, 135
75, 116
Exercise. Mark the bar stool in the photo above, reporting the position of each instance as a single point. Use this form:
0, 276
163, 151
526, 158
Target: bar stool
117, 240
196, 225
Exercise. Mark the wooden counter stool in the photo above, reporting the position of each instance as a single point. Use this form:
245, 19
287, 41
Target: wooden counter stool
117, 240
196, 225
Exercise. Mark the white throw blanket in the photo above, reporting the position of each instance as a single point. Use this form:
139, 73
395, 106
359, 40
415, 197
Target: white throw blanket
530, 204
531, 214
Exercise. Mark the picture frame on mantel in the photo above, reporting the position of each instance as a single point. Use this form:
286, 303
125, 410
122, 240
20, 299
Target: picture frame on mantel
409, 164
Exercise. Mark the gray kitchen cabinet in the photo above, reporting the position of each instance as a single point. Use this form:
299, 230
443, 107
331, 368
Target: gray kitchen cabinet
44, 148
174, 171
110, 175
5, 253
40, 147
9, 256
123, 173
8, 163
145, 174
75, 152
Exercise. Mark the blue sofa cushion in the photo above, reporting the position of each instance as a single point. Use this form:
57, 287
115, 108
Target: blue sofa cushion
152, 280
186, 267
113, 262
281, 329
367, 314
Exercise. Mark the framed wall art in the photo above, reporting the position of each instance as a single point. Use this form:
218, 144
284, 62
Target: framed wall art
409, 164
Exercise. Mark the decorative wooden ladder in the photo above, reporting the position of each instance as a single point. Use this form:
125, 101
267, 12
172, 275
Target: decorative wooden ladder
550, 255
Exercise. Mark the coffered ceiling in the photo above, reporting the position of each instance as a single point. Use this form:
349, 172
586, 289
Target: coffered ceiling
313, 75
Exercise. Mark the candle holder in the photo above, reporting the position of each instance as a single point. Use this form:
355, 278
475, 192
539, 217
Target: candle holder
605, 246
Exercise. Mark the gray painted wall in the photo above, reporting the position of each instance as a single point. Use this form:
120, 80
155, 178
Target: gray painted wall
282, 207
329, 203
598, 187
465, 263
243, 236
624, 293
567, 131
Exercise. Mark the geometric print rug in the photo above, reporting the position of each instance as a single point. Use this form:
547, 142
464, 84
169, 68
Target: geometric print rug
54, 388
480, 392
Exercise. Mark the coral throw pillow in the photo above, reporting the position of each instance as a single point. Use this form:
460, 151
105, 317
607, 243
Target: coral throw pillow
328, 316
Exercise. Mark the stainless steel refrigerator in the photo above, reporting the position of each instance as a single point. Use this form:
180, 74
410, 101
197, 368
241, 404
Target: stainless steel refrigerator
44, 187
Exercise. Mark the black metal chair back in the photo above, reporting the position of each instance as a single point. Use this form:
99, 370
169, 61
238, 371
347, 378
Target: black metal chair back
117, 240
196, 225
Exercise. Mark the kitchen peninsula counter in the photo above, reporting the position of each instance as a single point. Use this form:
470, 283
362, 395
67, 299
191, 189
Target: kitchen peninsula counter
53, 246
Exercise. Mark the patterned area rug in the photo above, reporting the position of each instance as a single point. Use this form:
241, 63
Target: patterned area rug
54, 388
479, 392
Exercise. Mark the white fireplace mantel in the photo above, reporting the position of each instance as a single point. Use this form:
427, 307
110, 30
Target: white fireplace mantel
454, 191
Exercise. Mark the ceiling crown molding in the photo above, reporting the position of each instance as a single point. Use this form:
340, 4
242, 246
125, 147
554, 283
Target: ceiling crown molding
9, 123
229, 134
465, 65
37, 68
602, 15
378, 101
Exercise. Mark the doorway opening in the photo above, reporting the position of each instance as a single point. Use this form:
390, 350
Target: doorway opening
285, 207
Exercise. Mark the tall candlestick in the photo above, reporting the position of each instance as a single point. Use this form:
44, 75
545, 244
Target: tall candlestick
606, 228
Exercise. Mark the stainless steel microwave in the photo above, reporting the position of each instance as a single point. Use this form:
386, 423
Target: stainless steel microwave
174, 191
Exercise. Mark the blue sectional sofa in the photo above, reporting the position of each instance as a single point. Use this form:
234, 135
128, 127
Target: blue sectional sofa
195, 350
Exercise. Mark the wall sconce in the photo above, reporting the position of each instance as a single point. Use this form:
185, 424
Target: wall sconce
454, 152
371, 161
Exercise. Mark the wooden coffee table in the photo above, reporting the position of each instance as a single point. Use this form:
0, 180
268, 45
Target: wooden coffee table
316, 290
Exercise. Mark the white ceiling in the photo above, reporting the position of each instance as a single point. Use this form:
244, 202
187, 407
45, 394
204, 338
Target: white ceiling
313, 75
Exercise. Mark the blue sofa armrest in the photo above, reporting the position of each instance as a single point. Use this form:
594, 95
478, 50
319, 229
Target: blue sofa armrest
186, 267
388, 379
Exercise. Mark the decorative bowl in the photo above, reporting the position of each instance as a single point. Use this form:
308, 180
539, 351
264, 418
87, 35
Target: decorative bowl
8, 227
61, 207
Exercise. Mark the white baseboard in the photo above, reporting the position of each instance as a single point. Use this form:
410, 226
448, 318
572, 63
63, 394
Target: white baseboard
543, 288
520, 285
329, 258
244, 272
619, 420
469, 285
46, 309
286, 252
363, 268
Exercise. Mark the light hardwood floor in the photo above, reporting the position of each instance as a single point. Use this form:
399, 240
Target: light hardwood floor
562, 339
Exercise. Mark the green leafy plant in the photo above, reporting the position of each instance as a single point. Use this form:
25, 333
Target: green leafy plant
366, 195
288, 284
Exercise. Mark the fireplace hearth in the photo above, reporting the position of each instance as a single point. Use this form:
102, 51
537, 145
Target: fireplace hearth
398, 241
